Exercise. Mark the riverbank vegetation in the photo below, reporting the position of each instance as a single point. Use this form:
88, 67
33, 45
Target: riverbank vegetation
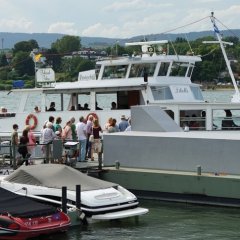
67, 57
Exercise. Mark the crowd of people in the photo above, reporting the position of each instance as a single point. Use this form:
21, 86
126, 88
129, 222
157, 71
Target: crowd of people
86, 131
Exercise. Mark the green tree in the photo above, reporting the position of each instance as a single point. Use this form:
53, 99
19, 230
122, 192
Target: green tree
67, 44
25, 46
23, 64
3, 60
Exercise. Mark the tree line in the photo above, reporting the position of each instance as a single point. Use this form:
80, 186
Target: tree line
18, 63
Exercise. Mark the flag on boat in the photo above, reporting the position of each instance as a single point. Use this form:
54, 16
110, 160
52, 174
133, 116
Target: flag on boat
37, 57
216, 30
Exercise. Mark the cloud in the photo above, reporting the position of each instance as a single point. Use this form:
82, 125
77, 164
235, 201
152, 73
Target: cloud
101, 30
133, 5
16, 25
63, 27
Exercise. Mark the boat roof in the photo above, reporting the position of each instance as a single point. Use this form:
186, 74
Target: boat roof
90, 85
147, 58
20, 206
56, 176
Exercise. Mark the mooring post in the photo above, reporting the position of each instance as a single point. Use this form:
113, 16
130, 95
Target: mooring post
64, 199
78, 197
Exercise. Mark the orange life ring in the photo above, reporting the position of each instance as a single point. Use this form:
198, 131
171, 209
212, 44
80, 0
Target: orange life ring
95, 116
35, 121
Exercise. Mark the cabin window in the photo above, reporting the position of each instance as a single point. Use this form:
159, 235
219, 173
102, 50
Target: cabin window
194, 119
119, 71
83, 101
138, 70
161, 93
33, 100
178, 69
227, 119
163, 69
197, 93
105, 100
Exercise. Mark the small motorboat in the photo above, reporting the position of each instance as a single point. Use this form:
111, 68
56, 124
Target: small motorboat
100, 200
22, 218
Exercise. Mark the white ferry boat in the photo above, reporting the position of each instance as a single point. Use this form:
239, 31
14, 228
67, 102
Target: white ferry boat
151, 78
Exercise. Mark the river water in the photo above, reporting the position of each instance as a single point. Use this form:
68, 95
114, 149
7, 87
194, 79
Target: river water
164, 220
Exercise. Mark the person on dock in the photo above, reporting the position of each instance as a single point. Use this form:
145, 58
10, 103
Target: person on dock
73, 128
32, 142
82, 138
57, 126
113, 126
96, 144
48, 136
22, 148
15, 141
123, 124
67, 131
89, 132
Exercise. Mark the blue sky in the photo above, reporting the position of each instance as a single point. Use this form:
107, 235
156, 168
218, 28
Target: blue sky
114, 18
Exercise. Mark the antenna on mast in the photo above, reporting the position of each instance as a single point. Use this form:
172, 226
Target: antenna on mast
236, 95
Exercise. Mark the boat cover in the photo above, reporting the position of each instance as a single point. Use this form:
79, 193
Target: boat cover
56, 176
20, 206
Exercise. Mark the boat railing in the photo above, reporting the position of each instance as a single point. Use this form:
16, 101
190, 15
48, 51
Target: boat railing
57, 151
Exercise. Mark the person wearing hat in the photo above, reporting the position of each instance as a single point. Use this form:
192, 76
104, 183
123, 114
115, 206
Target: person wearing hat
123, 124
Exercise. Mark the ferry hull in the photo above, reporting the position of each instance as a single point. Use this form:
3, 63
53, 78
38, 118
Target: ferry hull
179, 186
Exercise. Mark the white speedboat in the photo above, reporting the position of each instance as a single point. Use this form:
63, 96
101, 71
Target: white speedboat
100, 200
152, 77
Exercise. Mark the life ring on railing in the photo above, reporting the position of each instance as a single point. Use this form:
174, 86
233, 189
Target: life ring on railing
35, 121
95, 116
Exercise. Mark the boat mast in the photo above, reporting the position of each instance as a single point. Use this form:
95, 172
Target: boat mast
236, 96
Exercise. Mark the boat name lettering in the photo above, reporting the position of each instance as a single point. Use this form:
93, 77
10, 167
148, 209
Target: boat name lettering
181, 90
31, 223
89, 77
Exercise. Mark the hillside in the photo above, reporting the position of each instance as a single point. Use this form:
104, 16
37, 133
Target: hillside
46, 39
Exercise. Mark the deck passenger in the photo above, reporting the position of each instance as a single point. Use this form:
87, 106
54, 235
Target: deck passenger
85, 107
36, 109
114, 106
97, 107
228, 123
79, 107
52, 107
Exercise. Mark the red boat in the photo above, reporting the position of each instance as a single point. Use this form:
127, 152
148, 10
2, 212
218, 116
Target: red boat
22, 218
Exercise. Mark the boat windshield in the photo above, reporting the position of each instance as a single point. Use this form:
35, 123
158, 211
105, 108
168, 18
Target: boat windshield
178, 69
163, 70
117, 71
138, 70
